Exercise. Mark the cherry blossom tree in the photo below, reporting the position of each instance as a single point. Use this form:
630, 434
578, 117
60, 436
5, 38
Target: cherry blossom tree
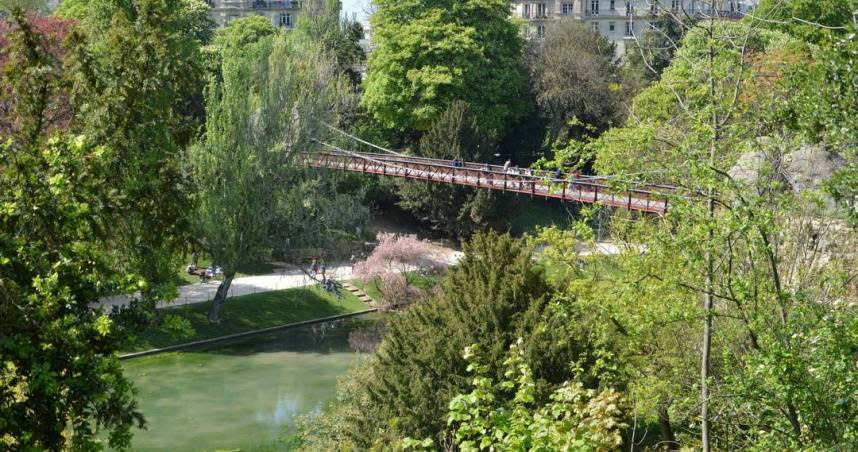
395, 262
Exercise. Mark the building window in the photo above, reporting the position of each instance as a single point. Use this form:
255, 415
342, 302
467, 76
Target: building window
526, 11
594, 7
540, 31
541, 10
596, 27
612, 6
285, 20
653, 7
611, 26
674, 4
629, 29
628, 7
566, 9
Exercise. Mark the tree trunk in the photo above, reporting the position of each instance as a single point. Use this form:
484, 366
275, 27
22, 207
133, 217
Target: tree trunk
220, 297
194, 258
710, 266
665, 427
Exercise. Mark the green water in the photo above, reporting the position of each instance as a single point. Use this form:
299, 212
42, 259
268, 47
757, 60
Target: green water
242, 395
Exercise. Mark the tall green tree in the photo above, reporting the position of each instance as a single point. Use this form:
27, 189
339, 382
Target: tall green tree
573, 76
339, 36
148, 109
263, 109
61, 385
429, 54
732, 262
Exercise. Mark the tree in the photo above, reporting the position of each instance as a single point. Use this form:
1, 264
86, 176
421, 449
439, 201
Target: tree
732, 263
458, 211
809, 20
147, 109
264, 107
393, 263
62, 246
490, 418
60, 381
46, 107
653, 52
429, 54
572, 76
340, 37
493, 296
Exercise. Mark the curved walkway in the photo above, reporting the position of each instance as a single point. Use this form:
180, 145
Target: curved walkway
288, 278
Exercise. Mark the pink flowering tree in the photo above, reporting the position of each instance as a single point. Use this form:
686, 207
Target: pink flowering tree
394, 264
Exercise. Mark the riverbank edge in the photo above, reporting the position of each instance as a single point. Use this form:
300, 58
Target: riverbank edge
171, 348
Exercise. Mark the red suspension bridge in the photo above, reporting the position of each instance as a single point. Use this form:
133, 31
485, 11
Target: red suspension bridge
571, 188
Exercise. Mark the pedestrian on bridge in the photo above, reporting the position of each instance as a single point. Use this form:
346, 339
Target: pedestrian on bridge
506, 165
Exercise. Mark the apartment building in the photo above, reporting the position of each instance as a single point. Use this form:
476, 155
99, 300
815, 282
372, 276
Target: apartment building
619, 21
281, 13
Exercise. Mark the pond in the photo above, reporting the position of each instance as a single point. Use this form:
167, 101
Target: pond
243, 394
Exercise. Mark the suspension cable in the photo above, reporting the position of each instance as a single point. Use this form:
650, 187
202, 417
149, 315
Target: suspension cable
341, 132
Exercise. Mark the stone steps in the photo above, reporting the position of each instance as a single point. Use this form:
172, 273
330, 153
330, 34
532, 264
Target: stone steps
359, 294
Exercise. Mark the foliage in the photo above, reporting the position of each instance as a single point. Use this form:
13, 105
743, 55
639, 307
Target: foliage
429, 54
339, 37
61, 381
652, 53
146, 108
455, 210
36, 102
505, 416
827, 94
320, 212
809, 20
244, 32
572, 76
395, 262
746, 264
663, 125
491, 297
264, 108
84, 217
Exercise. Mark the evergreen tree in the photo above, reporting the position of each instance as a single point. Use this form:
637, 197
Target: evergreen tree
456, 210
492, 297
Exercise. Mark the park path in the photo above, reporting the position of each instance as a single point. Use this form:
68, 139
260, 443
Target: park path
286, 278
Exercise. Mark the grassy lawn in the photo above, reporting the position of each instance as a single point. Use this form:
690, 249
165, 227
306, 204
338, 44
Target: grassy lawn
250, 312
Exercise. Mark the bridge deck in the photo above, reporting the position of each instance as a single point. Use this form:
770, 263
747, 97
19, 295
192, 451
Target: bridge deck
519, 180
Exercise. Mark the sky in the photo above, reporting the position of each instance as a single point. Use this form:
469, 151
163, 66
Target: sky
358, 7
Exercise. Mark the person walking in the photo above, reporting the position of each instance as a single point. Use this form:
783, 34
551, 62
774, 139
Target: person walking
323, 267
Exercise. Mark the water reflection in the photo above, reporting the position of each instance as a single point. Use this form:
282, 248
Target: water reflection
284, 411
242, 394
